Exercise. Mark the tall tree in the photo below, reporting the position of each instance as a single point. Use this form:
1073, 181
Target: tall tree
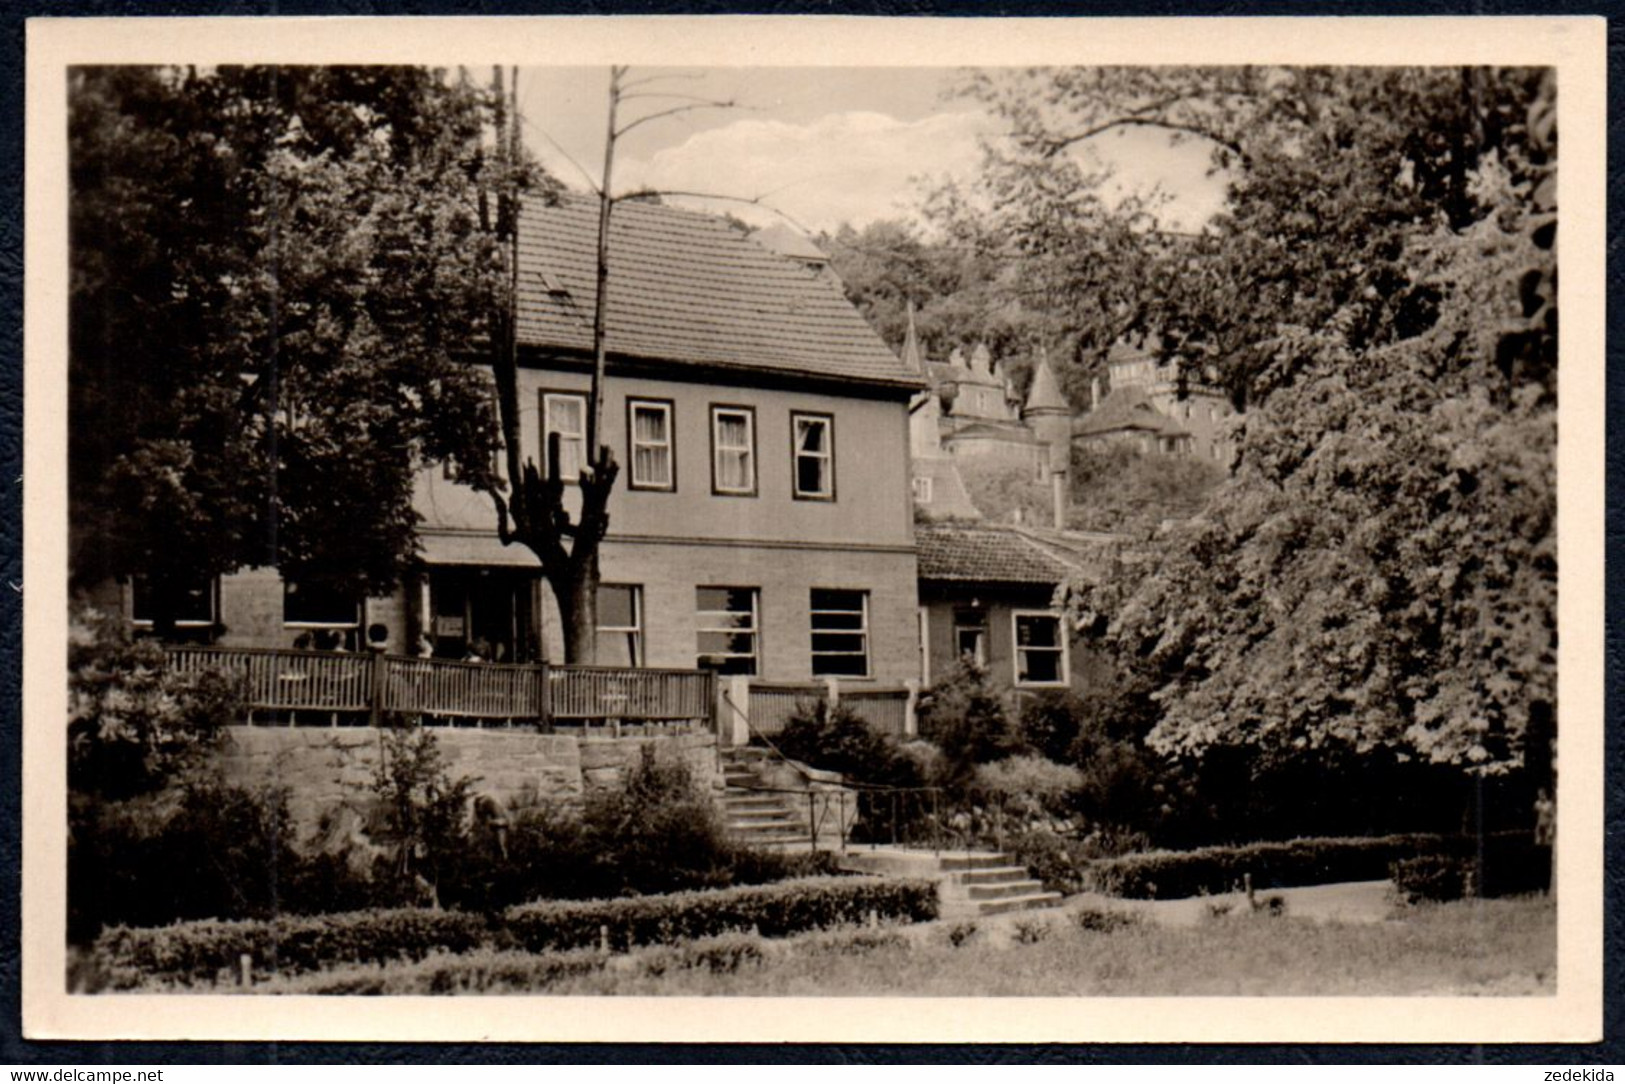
1379, 573
277, 275
535, 513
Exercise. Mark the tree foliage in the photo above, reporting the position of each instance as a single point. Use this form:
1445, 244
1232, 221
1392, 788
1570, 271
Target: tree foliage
1379, 573
277, 274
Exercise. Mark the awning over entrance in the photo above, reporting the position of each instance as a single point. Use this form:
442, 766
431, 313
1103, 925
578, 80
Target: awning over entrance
483, 550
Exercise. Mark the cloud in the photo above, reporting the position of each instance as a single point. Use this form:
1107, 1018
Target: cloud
852, 167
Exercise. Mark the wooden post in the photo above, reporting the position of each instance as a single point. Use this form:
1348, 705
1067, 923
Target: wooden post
544, 701
832, 687
245, 970
911, 718
375, 705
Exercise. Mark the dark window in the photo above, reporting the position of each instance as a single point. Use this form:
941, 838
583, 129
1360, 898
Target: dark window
316, 603
193, 602
840, 633
1040, 653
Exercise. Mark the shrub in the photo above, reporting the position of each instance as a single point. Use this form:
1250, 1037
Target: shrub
1433, 877
655, 833
204, 850
1101, 920
960, 933
835, 738
1175, 874
133, 724
965, 718
775, 910
193, 952
1062, 861
1030, 787
422, 811
1030, 931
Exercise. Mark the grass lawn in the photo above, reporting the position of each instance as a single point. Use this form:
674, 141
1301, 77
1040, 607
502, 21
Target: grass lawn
1493, 947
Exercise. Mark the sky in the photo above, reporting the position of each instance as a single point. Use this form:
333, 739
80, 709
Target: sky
817, 147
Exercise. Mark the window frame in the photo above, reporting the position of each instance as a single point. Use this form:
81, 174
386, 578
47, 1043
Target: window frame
546, 394
636, 629
983, 628
924, 491
796, 418
669, 407
1062, 649
862, 631
211, 588
748, 412
755, 628
287, 624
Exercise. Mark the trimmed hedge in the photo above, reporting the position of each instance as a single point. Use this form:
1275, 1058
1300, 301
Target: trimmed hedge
775, 910
192, 952
198, 951
1507, 861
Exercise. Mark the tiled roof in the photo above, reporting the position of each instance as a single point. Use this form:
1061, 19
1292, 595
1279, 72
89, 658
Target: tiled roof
984, 554
1126, 408
949, 497
1006, 433
686, 288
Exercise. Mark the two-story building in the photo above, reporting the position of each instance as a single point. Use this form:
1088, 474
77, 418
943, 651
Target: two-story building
761, 523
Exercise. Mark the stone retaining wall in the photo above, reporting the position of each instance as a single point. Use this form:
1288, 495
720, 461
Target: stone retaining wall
329, 770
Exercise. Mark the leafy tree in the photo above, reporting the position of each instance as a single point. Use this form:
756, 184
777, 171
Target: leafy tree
277, 275
423, 812
1378, 576
1332, 172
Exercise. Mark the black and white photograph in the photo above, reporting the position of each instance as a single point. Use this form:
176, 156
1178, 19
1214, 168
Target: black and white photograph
730, 528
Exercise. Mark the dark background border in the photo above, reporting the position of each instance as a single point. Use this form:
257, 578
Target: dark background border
15, 1049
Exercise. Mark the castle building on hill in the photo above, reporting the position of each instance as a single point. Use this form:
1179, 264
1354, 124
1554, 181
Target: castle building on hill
1150, 405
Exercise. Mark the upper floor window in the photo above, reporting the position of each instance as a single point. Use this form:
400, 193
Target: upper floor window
1040, 655
649, 430
565, 413
840, 633
814, 451
620, 624
733, 450
727, 619
922, 489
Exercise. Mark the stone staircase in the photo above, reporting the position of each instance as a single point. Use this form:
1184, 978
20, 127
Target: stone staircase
758, 818
969, 884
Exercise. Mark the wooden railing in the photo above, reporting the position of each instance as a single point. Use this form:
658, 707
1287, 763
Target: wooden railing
885, 708
328, 685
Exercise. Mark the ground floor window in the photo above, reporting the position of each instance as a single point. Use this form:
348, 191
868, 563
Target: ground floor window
970, 633
620, 624
840, 633
727, 622
195, 603
328, 615
1040, 656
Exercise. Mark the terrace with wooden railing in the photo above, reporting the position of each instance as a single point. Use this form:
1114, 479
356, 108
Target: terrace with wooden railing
318, 687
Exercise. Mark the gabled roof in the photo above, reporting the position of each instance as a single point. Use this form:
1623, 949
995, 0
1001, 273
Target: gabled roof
985, 553
1126, 408
688, 289
1004, 432
949, 497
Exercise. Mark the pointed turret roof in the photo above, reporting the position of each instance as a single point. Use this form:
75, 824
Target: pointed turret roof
1045, 393
913, 356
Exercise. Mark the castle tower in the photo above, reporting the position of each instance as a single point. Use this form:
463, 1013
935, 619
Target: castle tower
1050, 418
